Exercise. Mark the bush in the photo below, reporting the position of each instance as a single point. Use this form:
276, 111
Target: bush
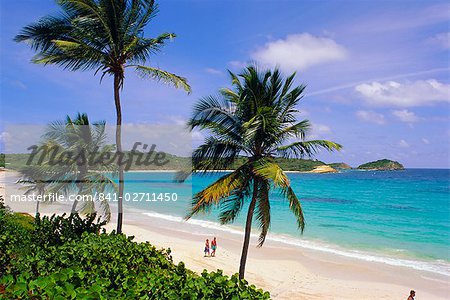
15, 236
22, 234
79, 263
56, 230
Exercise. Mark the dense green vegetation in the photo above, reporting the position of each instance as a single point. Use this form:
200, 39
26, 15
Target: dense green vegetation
303, 165
382, 164
16, 161
2, 160
68, 258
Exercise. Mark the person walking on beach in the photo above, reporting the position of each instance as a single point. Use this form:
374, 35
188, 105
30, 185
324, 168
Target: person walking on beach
412, 294
213, 247
207, 247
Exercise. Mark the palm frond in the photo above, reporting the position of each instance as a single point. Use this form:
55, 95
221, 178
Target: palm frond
263, 211
214, 155
306, 148
140, 49
219, 190
163, 76
231, 206
295, 206
100, 35
271, 171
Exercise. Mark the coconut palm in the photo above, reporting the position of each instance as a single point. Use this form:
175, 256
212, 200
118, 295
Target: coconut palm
105, 36
80, 173
255, 121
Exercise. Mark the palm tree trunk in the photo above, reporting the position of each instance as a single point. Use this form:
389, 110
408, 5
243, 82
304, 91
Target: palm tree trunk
119, 150
37, 207
80, 181
38, 203
74, 207
248, 230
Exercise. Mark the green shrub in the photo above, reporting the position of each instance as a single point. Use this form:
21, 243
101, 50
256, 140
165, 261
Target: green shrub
21, 234
67, 258
15, 236
56, 230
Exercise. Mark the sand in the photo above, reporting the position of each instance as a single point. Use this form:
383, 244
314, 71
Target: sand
288, 272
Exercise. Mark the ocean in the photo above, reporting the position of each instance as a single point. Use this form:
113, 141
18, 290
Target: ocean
395, 217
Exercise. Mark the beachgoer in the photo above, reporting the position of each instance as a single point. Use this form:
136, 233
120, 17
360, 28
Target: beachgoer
213, 247
206, 247
412, 294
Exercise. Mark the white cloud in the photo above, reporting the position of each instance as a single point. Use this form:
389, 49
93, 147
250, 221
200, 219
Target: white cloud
370, 116
441, 39
391, 77
417, 93
318, 131
213, 71
405, 115
425, 141
299, 52
403, 144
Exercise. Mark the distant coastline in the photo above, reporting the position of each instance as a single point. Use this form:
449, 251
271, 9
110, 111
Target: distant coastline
291, 165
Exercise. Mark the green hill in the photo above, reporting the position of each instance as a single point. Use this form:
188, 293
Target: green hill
302, 165
382, 164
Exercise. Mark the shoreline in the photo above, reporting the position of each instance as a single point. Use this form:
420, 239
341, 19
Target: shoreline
287, 271
287, 240
331, 272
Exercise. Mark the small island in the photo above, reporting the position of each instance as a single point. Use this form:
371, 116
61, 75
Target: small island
382, 165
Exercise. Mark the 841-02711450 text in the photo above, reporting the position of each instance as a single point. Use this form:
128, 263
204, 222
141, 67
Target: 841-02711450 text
110, 197
137, 197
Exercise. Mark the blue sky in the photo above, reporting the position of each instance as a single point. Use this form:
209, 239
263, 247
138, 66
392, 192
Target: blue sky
377, 72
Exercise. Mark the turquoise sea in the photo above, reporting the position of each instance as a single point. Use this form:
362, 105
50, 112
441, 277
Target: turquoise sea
395, 217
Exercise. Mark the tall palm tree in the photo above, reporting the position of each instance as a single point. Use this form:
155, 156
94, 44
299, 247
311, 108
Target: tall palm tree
256, 121
106, 36
80, 173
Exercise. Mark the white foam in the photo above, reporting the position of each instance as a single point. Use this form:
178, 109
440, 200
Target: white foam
438, 267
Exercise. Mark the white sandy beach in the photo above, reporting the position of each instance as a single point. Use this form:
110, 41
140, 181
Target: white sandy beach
288, 272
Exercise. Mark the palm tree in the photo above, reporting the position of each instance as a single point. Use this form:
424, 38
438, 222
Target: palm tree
81, 173
256, 121
105, 36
